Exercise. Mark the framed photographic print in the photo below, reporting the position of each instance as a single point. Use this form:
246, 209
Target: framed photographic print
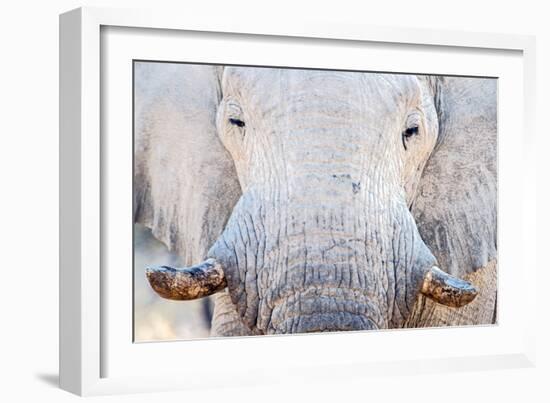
260, 193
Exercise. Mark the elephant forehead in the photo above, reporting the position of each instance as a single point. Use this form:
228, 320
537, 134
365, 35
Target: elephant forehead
254, 83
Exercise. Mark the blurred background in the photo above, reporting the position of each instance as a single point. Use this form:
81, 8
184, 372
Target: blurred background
156, 318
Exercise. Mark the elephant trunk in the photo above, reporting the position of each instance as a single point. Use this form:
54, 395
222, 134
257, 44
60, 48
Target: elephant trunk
311, 264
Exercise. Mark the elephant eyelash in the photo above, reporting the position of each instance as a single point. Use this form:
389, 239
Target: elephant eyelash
411, 131
236, 122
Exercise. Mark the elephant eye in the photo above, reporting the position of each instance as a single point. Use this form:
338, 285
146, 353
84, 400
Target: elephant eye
236, 122
407, 134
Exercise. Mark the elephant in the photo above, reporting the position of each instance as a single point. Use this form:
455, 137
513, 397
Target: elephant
310, 200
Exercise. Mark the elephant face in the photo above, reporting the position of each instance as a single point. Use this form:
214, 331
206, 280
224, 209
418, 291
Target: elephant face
311, 117
305, 187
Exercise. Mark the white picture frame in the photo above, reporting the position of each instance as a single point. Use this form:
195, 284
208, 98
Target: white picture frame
93, 348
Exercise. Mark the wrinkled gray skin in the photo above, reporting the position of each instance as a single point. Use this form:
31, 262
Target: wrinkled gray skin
323, 215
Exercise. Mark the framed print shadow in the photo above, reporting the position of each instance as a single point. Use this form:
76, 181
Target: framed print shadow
306, 200
258, 192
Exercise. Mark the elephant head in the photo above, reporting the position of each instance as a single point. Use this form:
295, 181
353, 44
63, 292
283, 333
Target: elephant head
322, 200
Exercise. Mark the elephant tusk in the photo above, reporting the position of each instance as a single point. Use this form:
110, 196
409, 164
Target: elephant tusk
446, 289
188, 283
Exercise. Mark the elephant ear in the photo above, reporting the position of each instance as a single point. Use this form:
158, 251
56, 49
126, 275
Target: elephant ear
456, 203
185, 184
